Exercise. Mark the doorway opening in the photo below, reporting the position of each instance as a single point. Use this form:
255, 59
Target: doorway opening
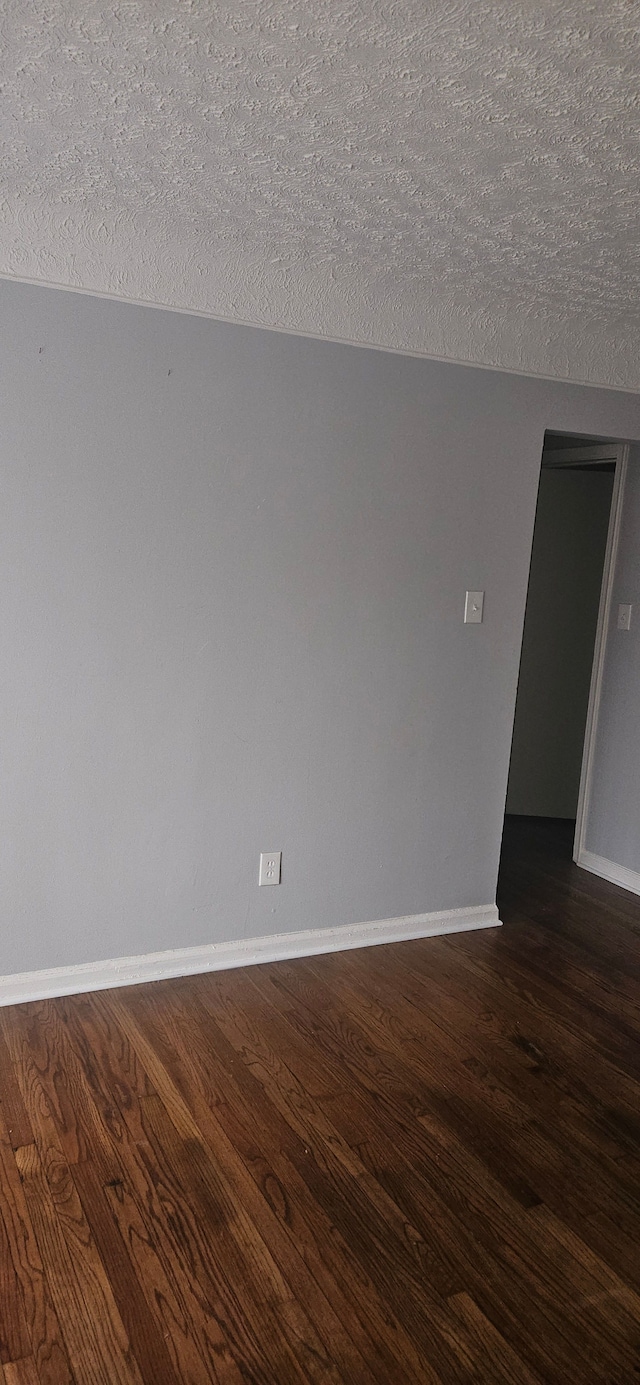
568, 599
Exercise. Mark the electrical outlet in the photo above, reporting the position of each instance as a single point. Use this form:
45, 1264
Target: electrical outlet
473, 608
270, 863
624, 617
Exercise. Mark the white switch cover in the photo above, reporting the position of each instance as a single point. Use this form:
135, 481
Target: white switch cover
473, 607
624, 617
270, 862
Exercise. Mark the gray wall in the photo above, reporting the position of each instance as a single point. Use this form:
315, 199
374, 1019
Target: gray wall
569, 541
613, 823
232, 567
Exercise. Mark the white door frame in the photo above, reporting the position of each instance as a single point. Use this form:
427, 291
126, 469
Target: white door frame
578, 456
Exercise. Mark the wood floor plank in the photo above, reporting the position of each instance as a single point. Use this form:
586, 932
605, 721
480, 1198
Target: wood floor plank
13, 1113
21, 1372
196, 1339
46, 1344
316, 1362
267, 1151
269, 1216
14, 1337
111, 1067
412, 1165
533, 974
358, 1217
504, 1018
146, 1336
236, 1260
566, 1112
375, 1082
291, 1183
295, 1346
97, 1344
492, 1359
495, 1072
502, 1233
63, 1110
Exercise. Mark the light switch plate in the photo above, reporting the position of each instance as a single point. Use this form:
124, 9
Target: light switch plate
624, 617
270, 864
473, 608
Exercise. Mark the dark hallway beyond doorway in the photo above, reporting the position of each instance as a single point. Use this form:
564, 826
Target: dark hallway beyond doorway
565, 580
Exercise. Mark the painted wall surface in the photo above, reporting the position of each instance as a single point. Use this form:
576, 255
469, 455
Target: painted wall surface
232, 574
569, 541
613, 823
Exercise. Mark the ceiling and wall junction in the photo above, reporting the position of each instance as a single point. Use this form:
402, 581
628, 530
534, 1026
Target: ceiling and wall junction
457, 179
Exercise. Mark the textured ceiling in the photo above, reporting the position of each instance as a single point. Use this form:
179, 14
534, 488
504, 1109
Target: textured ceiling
451, 177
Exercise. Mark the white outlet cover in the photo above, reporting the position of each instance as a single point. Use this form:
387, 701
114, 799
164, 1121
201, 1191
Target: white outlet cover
624, 616
473, 608
270, 867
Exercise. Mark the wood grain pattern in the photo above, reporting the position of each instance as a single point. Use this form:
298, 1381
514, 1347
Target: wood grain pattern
15, 1121
409, 1165
21, 1372
27, 1271
97, 1342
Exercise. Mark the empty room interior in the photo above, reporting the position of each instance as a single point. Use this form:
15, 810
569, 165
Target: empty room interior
320, 678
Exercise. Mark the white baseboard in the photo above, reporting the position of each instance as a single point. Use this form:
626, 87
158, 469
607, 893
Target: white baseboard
277, 947
619, 875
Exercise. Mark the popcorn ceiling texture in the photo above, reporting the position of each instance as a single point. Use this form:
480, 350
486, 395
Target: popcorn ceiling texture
454, 178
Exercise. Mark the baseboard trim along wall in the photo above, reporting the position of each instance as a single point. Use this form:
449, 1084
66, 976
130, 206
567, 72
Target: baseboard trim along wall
277, 947
618, 875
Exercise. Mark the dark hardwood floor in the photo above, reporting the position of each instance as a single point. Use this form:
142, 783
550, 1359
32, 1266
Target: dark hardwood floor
415, 1163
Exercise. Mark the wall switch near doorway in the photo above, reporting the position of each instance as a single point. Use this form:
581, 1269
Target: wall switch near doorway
473, 608
624, 617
